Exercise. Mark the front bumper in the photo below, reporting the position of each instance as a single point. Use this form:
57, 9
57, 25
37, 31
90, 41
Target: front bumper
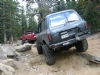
78, 37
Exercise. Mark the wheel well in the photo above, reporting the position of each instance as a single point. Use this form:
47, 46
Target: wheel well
44, 42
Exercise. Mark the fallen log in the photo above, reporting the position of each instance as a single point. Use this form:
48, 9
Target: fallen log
91, 58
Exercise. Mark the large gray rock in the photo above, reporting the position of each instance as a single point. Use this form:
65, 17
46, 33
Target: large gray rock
6, 70
10, 52
23, 48
3, 54
18, 43
9, 62
1, 50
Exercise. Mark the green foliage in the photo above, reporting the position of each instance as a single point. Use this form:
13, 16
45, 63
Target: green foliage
23, 21
14, 21
10, 18
31, 22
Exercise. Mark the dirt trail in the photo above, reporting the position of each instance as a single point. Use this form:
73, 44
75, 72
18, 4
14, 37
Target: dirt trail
67, 63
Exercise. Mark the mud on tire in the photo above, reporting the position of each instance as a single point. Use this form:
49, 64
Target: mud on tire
82, 46
48, 54
39, 48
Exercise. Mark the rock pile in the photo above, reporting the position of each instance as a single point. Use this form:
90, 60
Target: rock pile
7, 56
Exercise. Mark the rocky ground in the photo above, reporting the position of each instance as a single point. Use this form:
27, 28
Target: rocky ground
67, 63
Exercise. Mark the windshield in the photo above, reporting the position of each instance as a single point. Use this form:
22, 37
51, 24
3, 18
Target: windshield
58, 19
71, 16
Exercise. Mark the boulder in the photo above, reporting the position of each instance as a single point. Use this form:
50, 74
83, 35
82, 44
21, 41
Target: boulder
18, 43
6, 70
23, 48
10, 52
10, 62
7, 51
1, 51
3, 55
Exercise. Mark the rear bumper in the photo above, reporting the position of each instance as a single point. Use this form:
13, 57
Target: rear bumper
78, 37
32, 39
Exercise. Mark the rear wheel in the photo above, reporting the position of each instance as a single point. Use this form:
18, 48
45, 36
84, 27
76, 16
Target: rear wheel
22, 42
39, 48
82, 46
32, 41
26, 41
48, 54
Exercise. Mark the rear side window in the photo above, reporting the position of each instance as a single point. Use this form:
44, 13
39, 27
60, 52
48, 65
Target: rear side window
71, 16
58, 19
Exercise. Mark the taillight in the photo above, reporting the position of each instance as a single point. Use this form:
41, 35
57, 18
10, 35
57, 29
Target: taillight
50, 37
56, 47
86, 26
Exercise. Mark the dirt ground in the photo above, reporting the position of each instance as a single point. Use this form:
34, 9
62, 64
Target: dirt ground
67, 62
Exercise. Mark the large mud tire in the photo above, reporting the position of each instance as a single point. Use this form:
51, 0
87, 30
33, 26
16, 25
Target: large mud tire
22, 42
39, 48
48, 54
82, 46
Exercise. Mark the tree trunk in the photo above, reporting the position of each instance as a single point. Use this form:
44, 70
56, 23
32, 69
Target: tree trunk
4, 27
11, 30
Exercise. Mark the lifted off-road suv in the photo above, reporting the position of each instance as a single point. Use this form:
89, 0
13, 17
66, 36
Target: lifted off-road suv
59, 31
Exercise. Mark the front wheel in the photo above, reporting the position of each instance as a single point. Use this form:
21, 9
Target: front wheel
82, 46
48, 54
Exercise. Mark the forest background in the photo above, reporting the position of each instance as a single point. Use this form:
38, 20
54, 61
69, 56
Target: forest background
15, 20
